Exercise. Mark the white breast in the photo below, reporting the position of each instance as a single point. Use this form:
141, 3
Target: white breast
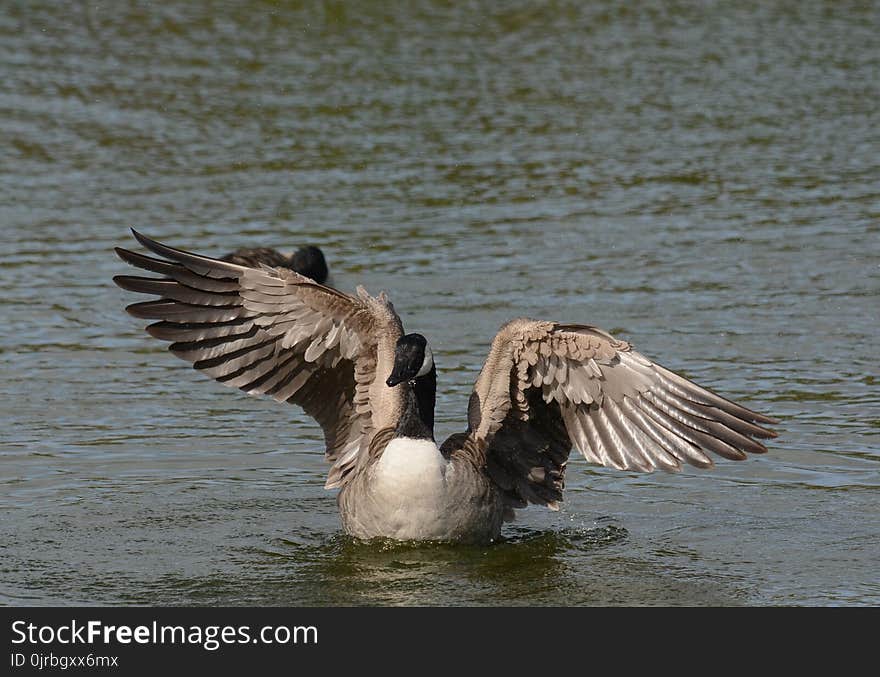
409, 463
409, 487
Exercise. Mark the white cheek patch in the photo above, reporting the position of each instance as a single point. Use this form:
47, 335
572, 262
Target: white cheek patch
427, 363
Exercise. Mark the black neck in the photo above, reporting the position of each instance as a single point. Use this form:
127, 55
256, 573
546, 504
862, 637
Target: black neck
417, 421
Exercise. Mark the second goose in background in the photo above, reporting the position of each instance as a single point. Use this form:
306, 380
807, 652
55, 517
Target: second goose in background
308, 260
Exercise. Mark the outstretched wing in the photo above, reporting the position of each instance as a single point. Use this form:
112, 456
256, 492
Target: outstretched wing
546, 387
273, 332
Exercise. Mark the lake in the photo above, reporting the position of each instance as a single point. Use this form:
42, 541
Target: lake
702, 180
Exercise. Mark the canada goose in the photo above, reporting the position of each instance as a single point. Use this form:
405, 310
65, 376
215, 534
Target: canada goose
308, 260
545, 388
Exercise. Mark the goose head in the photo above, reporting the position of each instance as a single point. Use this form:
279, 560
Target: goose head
413, 359
310, 261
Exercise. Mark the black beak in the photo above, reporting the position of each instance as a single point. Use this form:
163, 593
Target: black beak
400, 374
395, 379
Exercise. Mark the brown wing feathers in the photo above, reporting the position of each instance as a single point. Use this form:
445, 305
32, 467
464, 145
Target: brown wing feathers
547, 387
269, 332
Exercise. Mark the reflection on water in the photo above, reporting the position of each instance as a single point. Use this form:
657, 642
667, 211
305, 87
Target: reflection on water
426, 574
700, 180
568, 566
